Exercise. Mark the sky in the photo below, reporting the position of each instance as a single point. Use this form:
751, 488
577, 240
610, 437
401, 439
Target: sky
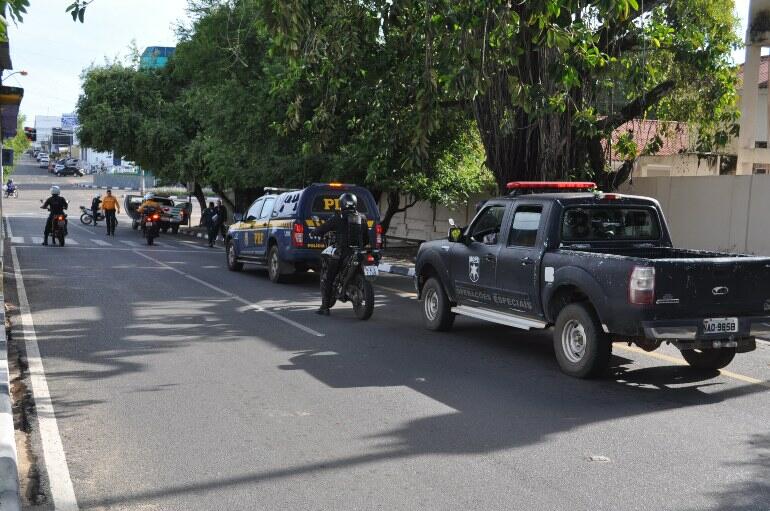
54, 50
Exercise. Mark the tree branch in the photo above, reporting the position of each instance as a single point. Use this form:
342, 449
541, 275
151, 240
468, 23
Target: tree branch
637, 107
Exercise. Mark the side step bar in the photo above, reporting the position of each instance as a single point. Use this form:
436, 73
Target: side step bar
498, 317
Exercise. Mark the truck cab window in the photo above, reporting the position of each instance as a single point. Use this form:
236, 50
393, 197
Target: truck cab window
486, 228
526, 223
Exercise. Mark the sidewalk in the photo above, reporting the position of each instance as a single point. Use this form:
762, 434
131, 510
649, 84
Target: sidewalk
400, 263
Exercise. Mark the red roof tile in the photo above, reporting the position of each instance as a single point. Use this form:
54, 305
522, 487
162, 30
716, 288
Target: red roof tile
675, 135
763, 65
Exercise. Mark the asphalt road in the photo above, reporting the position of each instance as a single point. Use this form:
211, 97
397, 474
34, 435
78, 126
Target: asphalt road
177, 384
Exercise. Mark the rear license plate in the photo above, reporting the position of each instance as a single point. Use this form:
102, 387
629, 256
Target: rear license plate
371, 271
720, 326
61, 223
148, 224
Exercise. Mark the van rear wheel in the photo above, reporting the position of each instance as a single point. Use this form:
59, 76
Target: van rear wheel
715, 358
274, 266
582, 348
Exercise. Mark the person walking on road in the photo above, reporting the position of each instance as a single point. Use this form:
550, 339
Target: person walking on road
219, 219
207, 221
110, 206
96, 204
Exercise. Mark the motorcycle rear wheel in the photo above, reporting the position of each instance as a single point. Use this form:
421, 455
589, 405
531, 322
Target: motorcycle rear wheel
361, 293
61, 239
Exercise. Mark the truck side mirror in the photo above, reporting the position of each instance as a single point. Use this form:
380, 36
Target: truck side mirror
455, 234
238, 217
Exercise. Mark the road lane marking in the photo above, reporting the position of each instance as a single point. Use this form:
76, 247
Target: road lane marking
70, 241
37, 240
130, 243
682, 362
102, 243
18, 240
59, 479
8, 229
633, 349
251, 305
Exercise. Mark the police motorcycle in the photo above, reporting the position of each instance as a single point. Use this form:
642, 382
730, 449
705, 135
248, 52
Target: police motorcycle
58, 228
354, 279
151, 224
87, 216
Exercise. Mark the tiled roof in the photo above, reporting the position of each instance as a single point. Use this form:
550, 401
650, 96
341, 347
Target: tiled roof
763, 64
675, 135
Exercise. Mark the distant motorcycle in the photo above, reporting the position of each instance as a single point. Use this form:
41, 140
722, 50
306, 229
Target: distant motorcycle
151, 225
13, 192
87, 216
354, 279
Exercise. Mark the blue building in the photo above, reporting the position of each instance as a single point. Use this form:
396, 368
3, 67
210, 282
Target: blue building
155, 57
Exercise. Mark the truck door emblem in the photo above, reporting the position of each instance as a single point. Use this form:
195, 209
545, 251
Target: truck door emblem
720, 290
473, 268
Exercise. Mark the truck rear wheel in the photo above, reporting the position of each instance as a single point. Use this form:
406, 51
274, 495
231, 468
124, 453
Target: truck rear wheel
582, 348
436, 308
274, 265
715, 358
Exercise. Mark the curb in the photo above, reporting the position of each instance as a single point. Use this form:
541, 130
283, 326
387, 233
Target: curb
197, 234
9, 472
94, 187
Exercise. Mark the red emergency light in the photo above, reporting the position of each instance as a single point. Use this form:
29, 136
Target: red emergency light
551, 185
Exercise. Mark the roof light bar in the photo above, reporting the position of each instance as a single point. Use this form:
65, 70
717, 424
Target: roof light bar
551, 185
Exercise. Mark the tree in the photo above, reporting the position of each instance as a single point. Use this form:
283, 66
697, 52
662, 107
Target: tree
18, 143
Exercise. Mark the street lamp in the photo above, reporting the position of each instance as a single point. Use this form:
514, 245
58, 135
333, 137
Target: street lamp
22, 73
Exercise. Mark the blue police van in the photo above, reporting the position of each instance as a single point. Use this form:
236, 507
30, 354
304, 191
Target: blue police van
275, 231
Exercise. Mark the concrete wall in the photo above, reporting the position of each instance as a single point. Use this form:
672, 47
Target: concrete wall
726, 213
424, 221
123, 181
676, 165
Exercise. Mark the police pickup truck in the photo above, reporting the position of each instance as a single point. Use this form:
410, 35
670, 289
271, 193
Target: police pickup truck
598, 268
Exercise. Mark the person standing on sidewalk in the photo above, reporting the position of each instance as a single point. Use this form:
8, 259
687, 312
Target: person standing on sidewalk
207, 221
110, 206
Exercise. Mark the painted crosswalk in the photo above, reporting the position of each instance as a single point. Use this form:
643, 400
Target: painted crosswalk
102, 243
98, 243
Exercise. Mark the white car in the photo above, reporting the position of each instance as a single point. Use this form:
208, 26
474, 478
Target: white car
44, 162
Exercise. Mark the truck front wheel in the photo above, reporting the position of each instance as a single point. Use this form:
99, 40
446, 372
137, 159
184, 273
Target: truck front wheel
437, 311
715, 358
582, 348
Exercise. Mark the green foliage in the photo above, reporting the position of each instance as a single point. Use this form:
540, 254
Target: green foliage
19, 144
11, 10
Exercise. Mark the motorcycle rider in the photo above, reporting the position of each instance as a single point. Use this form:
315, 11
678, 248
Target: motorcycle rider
95, 206
55, 204
351, 230
9, 187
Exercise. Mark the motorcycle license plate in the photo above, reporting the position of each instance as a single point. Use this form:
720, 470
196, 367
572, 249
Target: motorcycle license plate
371, 271
148, 224
61, 223
720, 326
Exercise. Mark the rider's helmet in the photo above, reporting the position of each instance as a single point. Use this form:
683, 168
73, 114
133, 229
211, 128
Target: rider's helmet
10, 181
55, 190
348, 202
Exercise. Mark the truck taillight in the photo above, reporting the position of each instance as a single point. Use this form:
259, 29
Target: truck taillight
641, 286
378, 236
298, 235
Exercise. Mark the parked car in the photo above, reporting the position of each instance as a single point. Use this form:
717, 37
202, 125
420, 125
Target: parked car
172, 214
64, 170
43, 162
275, 231
598, 268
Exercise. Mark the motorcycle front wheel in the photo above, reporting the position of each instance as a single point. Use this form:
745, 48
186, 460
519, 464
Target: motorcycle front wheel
86, 219
361, 293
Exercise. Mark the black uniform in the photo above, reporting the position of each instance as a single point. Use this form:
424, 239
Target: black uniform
55, 204
351, 230
95, 204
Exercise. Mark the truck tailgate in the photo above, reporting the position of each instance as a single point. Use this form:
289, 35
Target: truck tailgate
725, 286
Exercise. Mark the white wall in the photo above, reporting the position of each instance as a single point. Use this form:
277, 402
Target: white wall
675, 165
725, 213
425, 221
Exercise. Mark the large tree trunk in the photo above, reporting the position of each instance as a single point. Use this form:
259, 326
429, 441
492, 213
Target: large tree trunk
198, 194
394, 207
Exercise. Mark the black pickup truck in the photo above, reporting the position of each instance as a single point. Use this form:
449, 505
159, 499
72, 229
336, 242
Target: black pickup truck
599, 268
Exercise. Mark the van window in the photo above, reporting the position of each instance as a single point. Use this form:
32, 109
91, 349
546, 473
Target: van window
255, 210
328, 201
267, 210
